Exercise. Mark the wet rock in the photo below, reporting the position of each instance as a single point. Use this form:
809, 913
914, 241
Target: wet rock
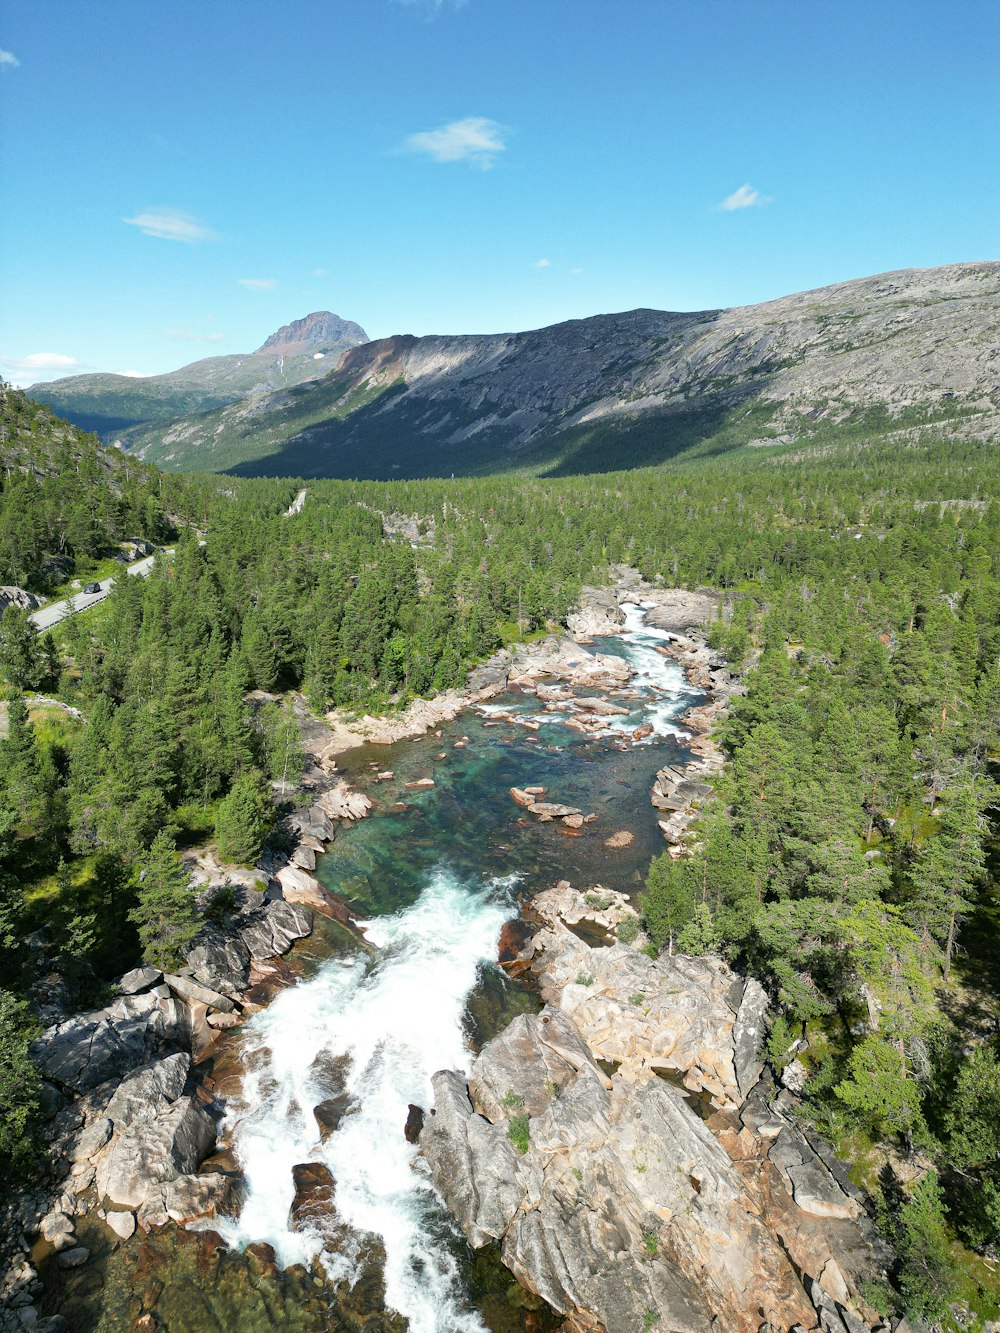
122, 1224
552, 809
331, 1112
314, 1194
414, 1123
522, 797
74, 1258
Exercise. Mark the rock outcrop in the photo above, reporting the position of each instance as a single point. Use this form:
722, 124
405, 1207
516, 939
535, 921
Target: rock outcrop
633, 1160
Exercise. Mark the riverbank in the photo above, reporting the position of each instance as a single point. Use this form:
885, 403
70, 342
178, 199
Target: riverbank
628, 1147
323, 800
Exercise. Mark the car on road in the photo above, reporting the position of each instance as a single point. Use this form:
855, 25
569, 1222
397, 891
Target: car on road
91, 587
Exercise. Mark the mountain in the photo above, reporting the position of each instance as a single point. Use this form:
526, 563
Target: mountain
110, 403
891, 353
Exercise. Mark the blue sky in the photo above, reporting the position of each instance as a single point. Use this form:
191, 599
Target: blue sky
181, 178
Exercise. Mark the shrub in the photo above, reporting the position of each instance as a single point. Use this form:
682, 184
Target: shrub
517, 1132
627, 930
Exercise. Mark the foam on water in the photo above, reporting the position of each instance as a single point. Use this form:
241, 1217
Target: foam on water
398, 1019
659, 679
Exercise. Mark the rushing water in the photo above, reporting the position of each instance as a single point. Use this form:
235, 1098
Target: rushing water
435, 872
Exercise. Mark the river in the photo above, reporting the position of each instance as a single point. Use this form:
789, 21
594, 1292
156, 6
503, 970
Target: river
434, 873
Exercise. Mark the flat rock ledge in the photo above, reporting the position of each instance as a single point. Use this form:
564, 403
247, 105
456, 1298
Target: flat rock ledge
633, 1158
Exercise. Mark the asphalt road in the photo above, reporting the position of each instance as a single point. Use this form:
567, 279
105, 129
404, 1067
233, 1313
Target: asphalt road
70, 606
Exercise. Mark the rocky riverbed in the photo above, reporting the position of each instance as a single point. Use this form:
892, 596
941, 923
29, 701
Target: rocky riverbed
633, 1158
137, 1089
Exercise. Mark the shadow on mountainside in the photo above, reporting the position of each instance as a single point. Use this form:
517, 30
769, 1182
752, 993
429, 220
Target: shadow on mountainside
386, 440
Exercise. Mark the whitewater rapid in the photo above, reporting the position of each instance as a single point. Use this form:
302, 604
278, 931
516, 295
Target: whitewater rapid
393, 1020
398, 1019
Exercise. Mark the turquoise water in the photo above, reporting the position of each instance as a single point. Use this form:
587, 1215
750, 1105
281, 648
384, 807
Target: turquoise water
433, 873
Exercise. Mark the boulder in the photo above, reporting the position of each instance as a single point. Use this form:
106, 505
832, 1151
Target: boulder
122, 1224
210, 1195
749, 1031
89, 1049
147, 1091
340, 802
91, 1140
140, 979
220, 960
19, 597
414, 1123
816, 1192
473, 1163
155, 1150
273, 929
314, 1194
74, 1258
195, 993
598, 615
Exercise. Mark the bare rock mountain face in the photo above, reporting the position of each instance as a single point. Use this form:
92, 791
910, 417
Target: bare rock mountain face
633, 1157
871, 358
303, 350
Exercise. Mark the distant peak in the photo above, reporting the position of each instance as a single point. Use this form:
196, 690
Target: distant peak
318, 332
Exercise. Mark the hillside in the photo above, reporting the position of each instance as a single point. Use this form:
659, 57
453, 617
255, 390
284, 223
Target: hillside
870, 356
110, 403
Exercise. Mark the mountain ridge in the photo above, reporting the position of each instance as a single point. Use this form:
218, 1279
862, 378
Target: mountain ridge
888, 353
109, 403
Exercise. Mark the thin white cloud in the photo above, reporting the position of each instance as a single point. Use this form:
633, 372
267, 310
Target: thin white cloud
168, 224
8, 60
745, 197
192, 336
576, 270
258, 284
319, 272
543, 263
44, 361
476, 140
38, 367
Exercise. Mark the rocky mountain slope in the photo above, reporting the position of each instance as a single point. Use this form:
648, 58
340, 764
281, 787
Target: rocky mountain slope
299, 351
875, 355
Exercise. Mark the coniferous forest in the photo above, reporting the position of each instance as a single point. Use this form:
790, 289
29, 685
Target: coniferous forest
849, 856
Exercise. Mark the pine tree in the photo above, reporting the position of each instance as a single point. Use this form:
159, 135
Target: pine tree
165, 914
244, 819
948, 872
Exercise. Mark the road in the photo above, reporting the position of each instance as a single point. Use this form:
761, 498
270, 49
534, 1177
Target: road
82, 601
